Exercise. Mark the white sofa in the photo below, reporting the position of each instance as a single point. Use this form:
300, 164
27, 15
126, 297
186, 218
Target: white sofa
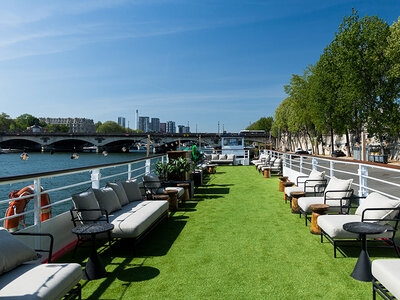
386, 274
22, 276
223, 159
131, 216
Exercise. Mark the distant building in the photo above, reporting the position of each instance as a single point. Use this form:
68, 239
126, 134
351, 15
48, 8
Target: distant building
183, 129
144, 124
76, 125
163, 127
187, 129
171, 127
121, 121
155, 124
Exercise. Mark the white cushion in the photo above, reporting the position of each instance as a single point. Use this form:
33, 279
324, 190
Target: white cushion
180, 190
108, 199
13, 252
120, 191
132, 190
43, 281
315, 175
376, 200
306, 202
230, 157
222, 157
387, 272
214, 156
290, 189
134, 218
87, 200
333, 226
336, 184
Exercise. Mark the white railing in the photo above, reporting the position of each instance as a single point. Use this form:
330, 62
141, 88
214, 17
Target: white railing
93, 177
367, 177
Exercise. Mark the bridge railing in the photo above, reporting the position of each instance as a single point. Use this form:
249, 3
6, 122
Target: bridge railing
72, 181
367, 177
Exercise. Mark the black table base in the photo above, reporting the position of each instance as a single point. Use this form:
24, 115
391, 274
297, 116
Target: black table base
362, 269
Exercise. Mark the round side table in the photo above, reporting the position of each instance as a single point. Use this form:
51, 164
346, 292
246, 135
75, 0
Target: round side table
317, 210
172, 199
295, 197
282, 179
267, 172
285, 185
362, 270
186, 194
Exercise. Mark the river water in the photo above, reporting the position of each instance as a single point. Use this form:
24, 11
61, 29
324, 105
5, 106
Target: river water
11, 165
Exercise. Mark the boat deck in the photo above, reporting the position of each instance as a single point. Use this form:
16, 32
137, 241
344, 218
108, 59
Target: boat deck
236, 240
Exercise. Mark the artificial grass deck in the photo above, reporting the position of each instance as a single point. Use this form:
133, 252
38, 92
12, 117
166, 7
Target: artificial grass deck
236, 240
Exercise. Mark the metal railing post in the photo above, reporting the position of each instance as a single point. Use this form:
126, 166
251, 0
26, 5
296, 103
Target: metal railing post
95, 178
314, 163
301, 164
362, 176
129, 171
284, 160
290, 161
37, 209
331, 169
147, 172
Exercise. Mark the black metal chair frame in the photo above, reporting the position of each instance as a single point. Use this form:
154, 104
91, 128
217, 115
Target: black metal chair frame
152, 191
344, 209
378, 288
76, 291
344, 242
266, 164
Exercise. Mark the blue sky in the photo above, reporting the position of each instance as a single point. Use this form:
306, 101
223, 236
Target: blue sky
198, 61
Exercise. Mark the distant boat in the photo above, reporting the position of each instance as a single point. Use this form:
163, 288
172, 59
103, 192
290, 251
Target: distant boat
90, 149
141, 149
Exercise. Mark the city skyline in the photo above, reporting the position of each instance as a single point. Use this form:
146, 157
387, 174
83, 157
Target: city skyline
207, 62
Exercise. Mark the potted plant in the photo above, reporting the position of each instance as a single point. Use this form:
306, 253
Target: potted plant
179, 168
162, 170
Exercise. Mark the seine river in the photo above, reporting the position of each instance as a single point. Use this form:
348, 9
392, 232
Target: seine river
11, 165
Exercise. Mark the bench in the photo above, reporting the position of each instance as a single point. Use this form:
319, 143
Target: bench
223, 159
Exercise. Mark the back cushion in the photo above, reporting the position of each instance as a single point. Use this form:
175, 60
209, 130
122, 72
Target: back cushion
132, 190
336, 184
376, 200
277, 162
151, 181
231, 156
119, 190
87, 200
214, 156
315, 175
13, 252
222, 157
108, 199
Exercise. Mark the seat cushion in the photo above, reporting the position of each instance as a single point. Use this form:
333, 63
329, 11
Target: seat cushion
108, 199
387, 272
333, 226
179, 189
87, 200
13, 252
120, 191
132, 190
376, 200
134, 218
43, 281
290, 189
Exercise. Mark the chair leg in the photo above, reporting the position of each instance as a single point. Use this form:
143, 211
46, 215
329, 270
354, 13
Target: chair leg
322, 238
396, 248
334, 249
373, 292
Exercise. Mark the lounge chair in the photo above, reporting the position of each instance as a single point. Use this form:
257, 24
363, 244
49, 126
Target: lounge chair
386, 280
311, 184
153, 186
261, 159
24, 278
266, 164
336, 195
276, 167
374, 208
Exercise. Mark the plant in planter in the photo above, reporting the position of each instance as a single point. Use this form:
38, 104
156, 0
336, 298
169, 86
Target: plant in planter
163, 169
179, 167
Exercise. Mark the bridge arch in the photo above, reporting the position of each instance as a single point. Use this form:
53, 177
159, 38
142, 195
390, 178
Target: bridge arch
21, 144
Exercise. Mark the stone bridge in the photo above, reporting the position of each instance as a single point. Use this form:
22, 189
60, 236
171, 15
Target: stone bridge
67, 141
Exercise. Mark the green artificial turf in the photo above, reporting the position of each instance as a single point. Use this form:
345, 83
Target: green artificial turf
236, 240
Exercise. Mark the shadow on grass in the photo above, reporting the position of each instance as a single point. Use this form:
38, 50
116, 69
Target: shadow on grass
376, 249
212, 191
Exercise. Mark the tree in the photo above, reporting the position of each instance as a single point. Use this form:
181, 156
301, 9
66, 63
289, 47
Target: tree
110, 127
5, 122
262, 124
26, 120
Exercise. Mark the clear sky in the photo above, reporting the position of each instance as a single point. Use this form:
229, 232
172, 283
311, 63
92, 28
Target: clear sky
200, 61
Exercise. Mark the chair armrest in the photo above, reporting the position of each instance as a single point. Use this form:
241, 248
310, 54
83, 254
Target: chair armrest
396, 219
321, 185
341, 198
51, 242
74, 219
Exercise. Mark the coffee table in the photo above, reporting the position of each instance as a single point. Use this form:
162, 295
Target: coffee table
362, 269
94, 267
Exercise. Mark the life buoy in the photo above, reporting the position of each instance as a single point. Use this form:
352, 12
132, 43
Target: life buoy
18, 206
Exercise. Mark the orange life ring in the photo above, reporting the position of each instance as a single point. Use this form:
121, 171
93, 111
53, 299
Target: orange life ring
18, 207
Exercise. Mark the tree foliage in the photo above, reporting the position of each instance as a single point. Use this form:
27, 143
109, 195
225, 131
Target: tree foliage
262, 124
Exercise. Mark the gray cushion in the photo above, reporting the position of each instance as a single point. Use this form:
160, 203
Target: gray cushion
87, 200
376, 200
152, 181
179, 189
132, 190
119, 190
43, 281
108, 199
13, 252
214, 156
387, 272
134, 218
333, 225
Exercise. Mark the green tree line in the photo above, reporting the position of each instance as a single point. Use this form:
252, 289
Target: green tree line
353, 87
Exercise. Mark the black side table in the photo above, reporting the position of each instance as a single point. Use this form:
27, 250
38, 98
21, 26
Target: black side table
362, 270
94, 267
